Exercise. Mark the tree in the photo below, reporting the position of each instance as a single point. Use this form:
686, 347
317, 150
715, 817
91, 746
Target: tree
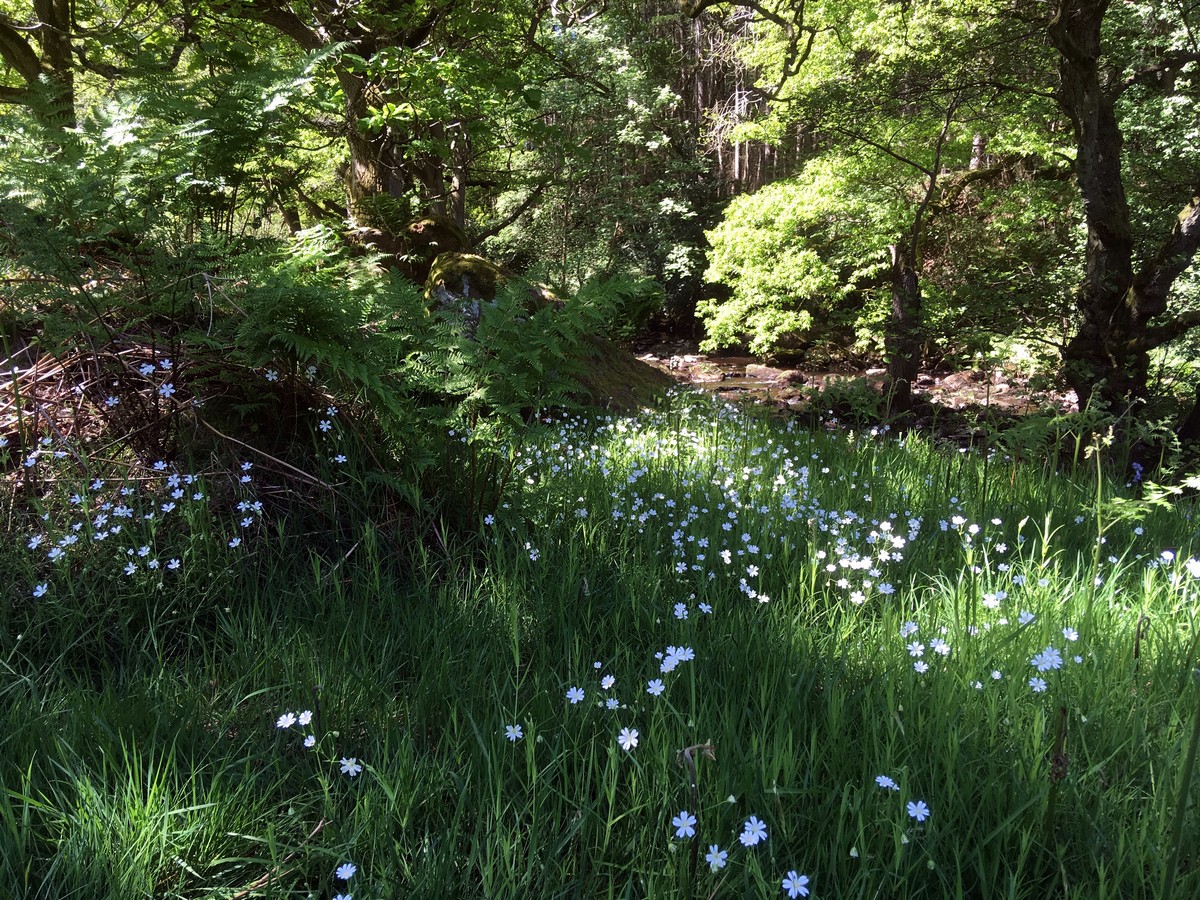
46, 44
925, 101
1134, 256
421, 92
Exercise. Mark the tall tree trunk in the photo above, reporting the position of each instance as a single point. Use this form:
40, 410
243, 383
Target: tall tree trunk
44, 62
1108, 358
367, 175
902, 340
1098, 355
54, 35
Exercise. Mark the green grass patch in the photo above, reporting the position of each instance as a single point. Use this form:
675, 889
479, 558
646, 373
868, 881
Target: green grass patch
927, 673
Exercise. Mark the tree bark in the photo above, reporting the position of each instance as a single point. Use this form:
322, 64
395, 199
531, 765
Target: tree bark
1108, 360
1095, 354
54, 63
902, 340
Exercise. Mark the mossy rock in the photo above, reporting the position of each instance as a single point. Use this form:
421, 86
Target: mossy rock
412, 248
461, 282
618, 380
464, 275
425, 239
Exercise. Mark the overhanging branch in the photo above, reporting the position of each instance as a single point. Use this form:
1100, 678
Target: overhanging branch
521, 209
16, 51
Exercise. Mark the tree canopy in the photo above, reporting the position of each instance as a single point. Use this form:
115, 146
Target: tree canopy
909, 182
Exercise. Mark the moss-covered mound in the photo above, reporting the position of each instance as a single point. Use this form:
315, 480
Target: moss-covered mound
618, 380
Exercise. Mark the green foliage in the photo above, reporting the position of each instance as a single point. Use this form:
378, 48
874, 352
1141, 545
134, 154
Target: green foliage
792, 254
919, 143
629, 302
618, 174
174, 333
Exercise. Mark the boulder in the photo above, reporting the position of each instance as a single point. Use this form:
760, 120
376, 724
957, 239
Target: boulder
763, 373
465, 276
959, 380
463, 282
425, 239
412, 248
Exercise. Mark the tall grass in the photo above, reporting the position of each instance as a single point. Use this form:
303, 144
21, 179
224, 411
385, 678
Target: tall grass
141, 756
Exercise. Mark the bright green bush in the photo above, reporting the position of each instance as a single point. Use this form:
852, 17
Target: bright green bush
796, 261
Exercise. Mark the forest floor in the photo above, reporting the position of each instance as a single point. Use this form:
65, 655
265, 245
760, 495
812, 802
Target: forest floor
949, 403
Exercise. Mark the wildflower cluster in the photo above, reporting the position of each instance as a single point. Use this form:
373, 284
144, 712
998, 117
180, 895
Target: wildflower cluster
147, 524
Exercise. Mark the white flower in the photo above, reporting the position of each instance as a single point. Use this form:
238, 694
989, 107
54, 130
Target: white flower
310, 741
715, 857
921, 667
607, 682
754, 831
795, 884
513, 732
1047, 659
346, 871
918, 810
351, 766
916, 648
1070, 634
684, 824
305, 717
628, 738
287, 720
612, 703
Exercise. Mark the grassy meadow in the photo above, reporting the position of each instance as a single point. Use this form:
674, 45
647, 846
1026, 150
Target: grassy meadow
695, 652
